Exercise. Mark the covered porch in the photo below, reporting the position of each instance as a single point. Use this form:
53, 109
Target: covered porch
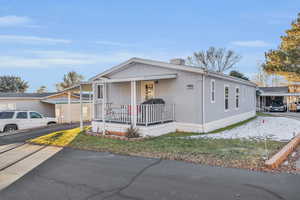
122, 102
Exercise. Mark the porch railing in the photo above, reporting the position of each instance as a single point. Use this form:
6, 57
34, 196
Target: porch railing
146, 114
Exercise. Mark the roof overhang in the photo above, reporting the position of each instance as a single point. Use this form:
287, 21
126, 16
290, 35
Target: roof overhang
20, 98
140, 78
64, 101
85, 86
279, 94
148, 62
186, 68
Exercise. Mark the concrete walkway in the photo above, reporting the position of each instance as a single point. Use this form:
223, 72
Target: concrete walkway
17, 159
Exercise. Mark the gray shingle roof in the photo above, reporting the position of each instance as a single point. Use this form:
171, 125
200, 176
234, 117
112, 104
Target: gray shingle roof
282, 89
26, 95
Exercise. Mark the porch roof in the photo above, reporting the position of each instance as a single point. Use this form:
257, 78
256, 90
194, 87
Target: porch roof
140, 78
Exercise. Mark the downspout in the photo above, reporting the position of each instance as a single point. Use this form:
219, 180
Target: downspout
203, 102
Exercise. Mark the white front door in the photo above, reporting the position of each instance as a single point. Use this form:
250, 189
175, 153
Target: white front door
147, 90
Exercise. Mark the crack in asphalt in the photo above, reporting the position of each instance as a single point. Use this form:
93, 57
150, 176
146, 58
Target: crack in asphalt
266, 190
72, 185
117, 191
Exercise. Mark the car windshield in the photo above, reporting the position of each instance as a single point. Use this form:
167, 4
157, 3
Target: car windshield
6, 115
277, 104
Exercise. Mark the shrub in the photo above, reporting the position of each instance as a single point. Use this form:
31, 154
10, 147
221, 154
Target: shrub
132, 132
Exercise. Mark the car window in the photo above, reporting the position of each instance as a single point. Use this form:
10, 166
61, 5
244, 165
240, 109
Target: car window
6, 115
22, 115
35, 115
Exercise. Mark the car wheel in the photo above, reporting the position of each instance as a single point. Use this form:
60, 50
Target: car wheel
51, 123
10, 128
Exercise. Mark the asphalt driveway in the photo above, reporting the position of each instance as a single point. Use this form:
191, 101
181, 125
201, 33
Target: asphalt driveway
293, 115
76, 174
26, 135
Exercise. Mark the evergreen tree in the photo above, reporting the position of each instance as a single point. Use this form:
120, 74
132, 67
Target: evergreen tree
286, 59
42, 89
12, 84
70, 79
238, 75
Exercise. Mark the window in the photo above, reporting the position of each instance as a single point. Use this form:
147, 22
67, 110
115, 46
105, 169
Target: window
6, 115
8, 106
35, 115
22, 115
226, 97
99, 91
213, 91
237, 98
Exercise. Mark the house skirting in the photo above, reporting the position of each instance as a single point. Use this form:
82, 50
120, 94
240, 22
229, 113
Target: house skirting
161, 129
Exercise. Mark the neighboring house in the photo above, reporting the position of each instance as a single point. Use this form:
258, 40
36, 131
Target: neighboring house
287, 95
49, 104
195, 100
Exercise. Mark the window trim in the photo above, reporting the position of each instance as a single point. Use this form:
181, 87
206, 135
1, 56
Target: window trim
213, 91
226, 110
97, 91
239, 98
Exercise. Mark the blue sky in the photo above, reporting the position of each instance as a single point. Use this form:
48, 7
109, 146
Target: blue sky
42, 40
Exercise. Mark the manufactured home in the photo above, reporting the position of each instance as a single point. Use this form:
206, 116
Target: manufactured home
191, 99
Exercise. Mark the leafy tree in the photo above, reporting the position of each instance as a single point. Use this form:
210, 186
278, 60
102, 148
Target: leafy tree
238, 75
214, 59
42, 89
286, 59
13, 84
70, 79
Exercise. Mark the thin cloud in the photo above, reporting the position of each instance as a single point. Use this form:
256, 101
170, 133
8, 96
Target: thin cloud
47, 59
251, 43
70, 59
12, 20
110, 43
32, 40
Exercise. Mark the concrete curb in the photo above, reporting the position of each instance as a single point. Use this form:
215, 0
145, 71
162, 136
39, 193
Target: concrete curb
282, 155
116, 137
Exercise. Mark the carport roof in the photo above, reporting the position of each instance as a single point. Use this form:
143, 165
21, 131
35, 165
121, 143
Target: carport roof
282, 89
26, 95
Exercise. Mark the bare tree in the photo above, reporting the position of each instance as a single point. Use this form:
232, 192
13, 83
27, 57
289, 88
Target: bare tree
214, 59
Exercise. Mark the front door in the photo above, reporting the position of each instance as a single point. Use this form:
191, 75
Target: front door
147, 90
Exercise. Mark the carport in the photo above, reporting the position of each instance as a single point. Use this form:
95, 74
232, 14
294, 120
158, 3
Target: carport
269, 94
83, 89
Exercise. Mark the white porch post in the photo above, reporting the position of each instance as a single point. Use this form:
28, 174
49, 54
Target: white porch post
91, 105
81, 109
69, 107
133, 104
103, 107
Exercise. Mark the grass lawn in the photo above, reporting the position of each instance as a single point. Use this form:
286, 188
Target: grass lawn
222, 152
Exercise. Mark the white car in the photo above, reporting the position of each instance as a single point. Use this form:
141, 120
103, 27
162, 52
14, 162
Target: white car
18, 120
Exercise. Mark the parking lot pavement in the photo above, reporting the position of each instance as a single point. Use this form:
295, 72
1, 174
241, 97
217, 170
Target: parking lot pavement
18, 159
75, 174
